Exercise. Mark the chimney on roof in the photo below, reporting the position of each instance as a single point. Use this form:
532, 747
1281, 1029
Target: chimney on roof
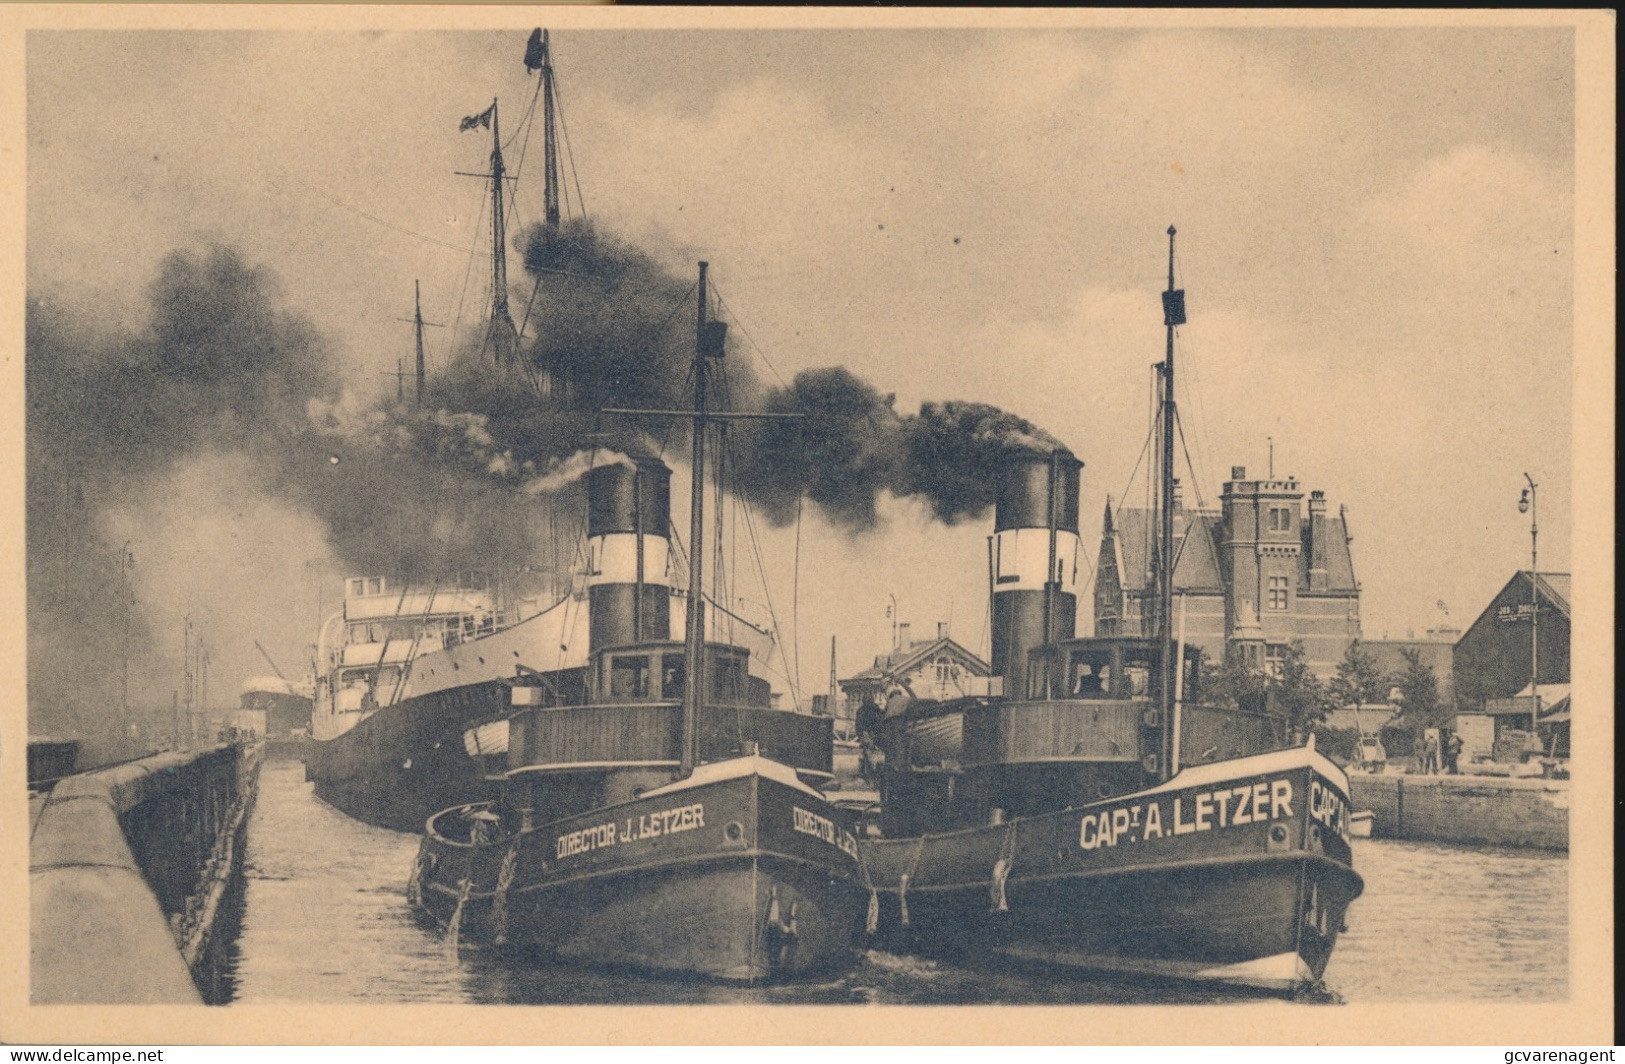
1238, 472
902, 634
1316, 549
942, 629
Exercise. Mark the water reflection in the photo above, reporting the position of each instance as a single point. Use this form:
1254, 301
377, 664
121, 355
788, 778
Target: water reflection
325, 920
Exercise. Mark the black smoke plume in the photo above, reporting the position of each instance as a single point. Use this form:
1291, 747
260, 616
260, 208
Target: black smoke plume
478, 478
218, 367
615, 329
850, 444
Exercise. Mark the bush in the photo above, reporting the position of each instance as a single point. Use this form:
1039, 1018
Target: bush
1339, 744
1399, 740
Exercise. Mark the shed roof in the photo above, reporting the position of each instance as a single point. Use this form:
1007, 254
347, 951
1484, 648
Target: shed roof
904, 659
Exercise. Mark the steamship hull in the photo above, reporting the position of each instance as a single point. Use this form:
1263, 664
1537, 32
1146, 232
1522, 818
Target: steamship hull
407, 761
1233, 872
737, 874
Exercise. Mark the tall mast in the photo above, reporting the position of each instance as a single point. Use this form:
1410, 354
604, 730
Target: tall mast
503, 335
550, 144
417, 319
709, 343
693, 689
1173, 315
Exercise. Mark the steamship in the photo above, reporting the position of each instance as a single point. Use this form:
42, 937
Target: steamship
405, 672
657, 812
413, 680
1070, 825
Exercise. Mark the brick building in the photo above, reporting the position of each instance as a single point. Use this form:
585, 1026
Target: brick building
1266, 568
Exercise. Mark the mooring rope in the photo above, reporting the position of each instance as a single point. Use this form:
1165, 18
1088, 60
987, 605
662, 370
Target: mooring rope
499, 906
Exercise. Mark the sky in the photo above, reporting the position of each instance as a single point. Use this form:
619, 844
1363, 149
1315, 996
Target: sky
1376, 239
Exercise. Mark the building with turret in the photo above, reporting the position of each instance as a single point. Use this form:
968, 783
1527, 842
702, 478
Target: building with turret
1266, 568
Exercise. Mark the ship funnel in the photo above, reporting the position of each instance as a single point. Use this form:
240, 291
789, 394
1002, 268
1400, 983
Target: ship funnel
628, 550
1034, 564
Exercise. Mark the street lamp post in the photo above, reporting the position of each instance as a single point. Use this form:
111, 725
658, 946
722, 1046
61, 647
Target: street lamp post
1529, 503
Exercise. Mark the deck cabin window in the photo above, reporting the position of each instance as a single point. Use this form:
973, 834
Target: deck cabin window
673, 676
1089, 676
629, 678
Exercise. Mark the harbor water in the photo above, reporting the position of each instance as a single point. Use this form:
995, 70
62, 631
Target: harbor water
325, 921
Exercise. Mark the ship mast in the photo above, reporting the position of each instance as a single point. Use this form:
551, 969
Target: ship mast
550, 144
417, 318
1173, 315
693, 688
709, 344
501, 336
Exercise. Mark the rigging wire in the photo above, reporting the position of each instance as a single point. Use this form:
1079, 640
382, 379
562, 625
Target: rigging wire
1179, 423
752, 341
795, 601
341, 205
569, 152
468, 270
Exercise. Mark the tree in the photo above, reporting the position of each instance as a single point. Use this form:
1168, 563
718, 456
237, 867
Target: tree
1419, 693
1358, 680
1299, 694
1231, 683
1293, 692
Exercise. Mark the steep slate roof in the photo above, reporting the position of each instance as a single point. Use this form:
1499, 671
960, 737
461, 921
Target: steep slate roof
1198, 566
905, 659
1339, 559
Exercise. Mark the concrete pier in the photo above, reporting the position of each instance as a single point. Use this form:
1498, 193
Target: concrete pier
1482, 810
128, 868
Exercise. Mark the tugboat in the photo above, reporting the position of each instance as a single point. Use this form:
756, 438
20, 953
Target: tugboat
657, 813
1070, 826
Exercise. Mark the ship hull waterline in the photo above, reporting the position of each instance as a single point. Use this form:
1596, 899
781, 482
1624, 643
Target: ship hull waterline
405, 762
739, 880
1240, 875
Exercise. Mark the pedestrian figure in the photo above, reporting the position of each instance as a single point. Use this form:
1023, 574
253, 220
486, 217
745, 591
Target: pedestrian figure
1430, 752
869, 721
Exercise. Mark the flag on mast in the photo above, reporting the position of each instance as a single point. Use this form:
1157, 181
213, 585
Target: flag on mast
536, 50
476, 121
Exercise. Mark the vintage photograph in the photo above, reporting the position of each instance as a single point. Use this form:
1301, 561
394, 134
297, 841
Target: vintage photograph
603, 508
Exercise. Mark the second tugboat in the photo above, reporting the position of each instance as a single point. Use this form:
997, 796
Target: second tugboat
657, 812
1070, 826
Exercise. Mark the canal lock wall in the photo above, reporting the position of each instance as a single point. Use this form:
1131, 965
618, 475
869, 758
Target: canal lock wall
135, 877
1477, 810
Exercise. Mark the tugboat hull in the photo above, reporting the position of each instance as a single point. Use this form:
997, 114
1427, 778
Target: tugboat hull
1234, 872
738, 878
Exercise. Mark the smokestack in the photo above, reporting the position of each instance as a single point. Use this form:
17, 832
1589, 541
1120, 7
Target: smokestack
1035, 575
628, 518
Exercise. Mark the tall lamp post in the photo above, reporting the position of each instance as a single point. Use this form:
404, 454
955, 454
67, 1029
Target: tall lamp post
1529, 503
